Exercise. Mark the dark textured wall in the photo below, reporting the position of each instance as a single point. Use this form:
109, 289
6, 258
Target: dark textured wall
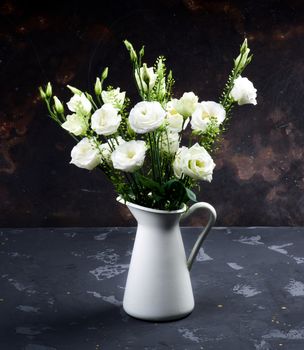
259, 174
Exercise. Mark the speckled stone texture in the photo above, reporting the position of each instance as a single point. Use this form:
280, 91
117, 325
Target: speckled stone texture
62, 289
259, 174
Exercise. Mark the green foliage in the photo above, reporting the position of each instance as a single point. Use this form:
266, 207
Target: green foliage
46, 94
159, 92
168, 196
170, 82
209, 136
162, 89
124, 128
240, 63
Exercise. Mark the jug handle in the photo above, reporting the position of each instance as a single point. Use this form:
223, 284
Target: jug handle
204, 233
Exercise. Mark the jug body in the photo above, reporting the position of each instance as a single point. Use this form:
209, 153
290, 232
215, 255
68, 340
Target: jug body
158, 285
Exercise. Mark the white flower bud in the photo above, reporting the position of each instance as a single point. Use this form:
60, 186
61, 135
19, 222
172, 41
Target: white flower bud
146, 78
104, 74
42, 93
241, 59
131, 50
74, 90
97, 87
244, 46
58, 105
48, 90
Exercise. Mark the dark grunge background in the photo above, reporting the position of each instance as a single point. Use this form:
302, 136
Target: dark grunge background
259, 174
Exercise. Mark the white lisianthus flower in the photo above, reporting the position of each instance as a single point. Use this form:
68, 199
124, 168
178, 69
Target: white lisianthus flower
174, 120
203, 114
169, 142
129, 156
105, 148
114, 96
195, 162
146, 116
177, 163
105, 120
144, 73
85, 154
80, 104
186, 104
75, 124
243, 91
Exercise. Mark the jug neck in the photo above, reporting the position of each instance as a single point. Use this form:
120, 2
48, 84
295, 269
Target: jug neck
154, 217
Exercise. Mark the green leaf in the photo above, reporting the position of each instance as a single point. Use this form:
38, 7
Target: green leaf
148, 183
191, 195
175, 189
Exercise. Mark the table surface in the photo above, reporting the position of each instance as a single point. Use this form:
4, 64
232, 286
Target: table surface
63, 289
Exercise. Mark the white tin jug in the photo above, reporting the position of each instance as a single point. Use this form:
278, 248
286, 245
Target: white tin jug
158, 285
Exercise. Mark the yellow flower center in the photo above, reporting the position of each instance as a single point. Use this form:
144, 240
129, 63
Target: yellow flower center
199, 163
205, 116
131, 154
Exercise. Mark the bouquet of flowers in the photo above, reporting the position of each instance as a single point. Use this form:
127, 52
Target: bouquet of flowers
141, 148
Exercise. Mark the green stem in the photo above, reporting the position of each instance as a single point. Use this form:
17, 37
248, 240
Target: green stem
94, 104
111, 145
157, 156
152, 156
136, 186
139, 88
52, 114
180, 135
99, 100
131, 184
235, 73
